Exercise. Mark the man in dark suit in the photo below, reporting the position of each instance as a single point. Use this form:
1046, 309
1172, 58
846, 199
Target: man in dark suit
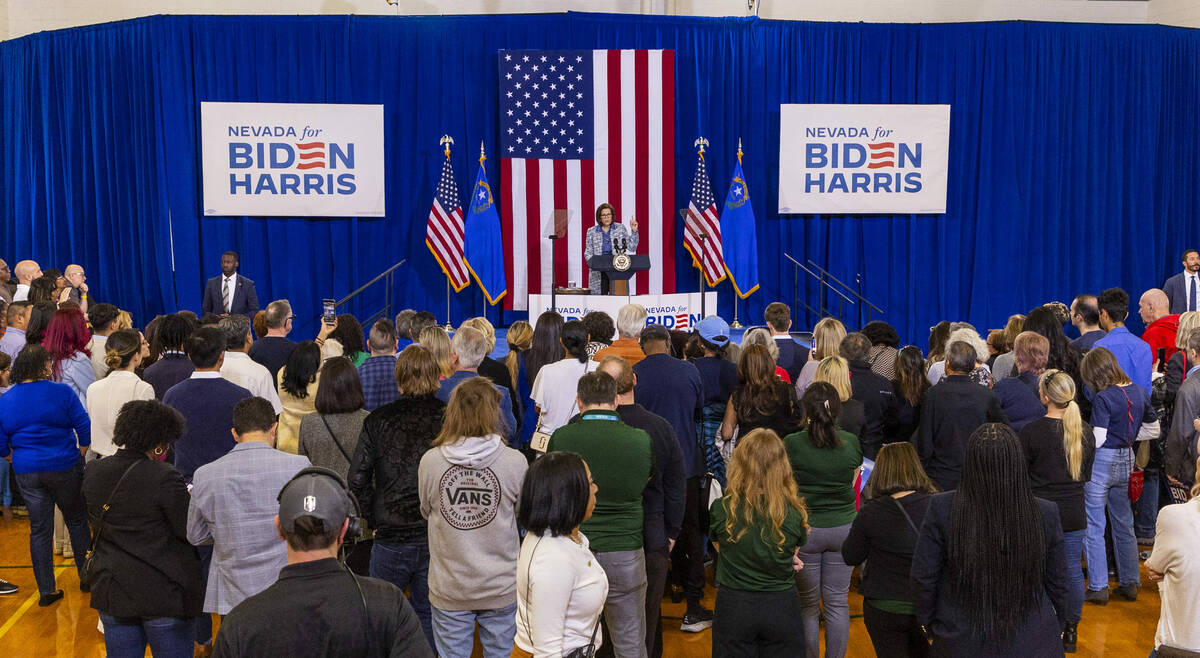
1181, 439
791, 356
953, 409
231, 293
1183, 289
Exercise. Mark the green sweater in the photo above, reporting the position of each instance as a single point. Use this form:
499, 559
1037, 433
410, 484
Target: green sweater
755, 563
825, 477
620, 459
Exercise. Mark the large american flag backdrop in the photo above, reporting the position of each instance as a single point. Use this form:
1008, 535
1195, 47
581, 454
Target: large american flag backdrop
577, 129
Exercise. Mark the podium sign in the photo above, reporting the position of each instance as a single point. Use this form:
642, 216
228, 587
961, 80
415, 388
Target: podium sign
677, 311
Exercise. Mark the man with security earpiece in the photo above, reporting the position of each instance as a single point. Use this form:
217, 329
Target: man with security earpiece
318, 607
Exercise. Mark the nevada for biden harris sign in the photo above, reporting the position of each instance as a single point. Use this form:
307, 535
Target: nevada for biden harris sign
836, 159
292, 159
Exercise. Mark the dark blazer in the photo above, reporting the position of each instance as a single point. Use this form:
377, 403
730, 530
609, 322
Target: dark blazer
953, 409
792, 357
144, 565
1019, 399
245, 300
940, 612
1177, 294
168, 371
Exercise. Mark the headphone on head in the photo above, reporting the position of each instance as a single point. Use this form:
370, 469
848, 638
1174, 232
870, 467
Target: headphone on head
354, 531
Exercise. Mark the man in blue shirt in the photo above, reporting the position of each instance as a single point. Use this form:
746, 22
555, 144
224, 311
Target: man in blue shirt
1133, 354
14, 337
467, 351
378, 373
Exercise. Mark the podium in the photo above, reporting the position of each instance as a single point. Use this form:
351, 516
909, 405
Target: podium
618, 270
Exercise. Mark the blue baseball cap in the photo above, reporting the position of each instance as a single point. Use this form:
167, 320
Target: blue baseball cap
714, 330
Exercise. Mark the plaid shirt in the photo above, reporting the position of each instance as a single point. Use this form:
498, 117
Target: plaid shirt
378, 375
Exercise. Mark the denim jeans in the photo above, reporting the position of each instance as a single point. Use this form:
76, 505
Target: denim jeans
1109, 490
454, 631
42, 492
1146, 521
1073, 546
203, 625
5, 489
168, 637
825, 582
406, 566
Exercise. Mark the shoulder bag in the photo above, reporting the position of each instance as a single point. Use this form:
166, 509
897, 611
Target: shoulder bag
89, 559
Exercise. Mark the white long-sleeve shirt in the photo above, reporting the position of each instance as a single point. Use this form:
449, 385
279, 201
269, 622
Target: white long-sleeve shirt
240, 369
561, 590
105, 399
1176, 557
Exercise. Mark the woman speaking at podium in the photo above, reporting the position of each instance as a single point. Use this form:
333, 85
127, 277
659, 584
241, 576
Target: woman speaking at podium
605, 238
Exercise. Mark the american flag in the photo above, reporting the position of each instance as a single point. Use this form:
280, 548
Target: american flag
444, 232
702, 221
578, 129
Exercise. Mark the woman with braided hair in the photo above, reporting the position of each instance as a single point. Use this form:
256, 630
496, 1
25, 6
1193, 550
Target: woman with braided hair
989, 569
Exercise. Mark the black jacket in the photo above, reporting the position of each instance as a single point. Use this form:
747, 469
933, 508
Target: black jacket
498, 373
879, 405
952, 410
144, 565
317, 609
383, 474
939, 611
882, 537
663, 499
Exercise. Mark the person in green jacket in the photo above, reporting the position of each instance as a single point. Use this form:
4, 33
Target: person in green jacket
825, 459
758, 526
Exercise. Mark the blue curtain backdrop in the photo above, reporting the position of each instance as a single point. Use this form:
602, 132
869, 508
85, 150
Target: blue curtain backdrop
1072, 167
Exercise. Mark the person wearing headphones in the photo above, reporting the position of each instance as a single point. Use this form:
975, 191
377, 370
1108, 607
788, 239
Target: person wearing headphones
318, 607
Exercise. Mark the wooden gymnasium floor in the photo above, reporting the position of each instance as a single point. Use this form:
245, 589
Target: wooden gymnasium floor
68, 628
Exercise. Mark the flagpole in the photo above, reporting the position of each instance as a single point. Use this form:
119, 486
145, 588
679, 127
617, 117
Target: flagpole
449, 327
736, 324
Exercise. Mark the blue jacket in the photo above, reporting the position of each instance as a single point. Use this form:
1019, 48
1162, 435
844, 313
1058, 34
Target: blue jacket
206, 404
43, 424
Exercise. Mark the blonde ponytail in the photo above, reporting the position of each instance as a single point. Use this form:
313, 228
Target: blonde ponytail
1059, 389
1073, 439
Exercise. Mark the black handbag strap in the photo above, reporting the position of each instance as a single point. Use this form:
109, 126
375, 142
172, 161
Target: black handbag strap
107, 505
335, 439
906, 516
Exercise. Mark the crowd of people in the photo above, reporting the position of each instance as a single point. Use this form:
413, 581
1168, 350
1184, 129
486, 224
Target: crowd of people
550, 500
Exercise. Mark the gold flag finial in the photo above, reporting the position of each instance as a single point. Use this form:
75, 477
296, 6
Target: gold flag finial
739, 150
700, 143
446, 141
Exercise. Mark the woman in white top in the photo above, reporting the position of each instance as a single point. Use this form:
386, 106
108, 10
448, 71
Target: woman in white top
561, 587
827, 338
123, 353
554, 387
1174, 566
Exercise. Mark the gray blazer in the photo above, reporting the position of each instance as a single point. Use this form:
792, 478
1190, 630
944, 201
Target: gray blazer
595, 242
233, 507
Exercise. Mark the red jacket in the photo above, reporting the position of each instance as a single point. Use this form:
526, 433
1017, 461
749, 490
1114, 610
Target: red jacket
1161, 335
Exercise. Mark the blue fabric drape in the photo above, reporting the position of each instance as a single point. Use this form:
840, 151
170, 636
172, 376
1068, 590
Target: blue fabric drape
1073, 150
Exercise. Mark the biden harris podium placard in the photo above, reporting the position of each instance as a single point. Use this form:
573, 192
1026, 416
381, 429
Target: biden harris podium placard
837, 159
292, 159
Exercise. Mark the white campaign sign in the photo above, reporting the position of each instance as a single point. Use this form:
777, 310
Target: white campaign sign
836, 159
292, 159
675, 311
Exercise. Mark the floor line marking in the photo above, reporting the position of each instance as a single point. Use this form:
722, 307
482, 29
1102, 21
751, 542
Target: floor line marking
33, 598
